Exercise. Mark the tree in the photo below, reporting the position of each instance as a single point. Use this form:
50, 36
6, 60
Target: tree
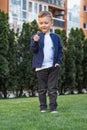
33, 78
79, 58
61, 78
27, 77
23, 58
12, 82
70, 68
4, 45
85, 64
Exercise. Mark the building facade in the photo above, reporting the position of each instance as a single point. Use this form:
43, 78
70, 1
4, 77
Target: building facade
83, 16
73, 19
65, 15
77, 15
4, 5
21, 11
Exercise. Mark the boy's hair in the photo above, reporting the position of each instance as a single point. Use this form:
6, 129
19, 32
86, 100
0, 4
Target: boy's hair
45, 13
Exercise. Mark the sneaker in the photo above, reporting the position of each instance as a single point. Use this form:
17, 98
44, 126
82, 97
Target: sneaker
43, 111
55, 111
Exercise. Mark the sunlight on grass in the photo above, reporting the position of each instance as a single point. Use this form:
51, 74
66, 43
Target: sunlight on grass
24, 114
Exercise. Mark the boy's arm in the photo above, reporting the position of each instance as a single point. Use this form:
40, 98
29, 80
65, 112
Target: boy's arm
60, 52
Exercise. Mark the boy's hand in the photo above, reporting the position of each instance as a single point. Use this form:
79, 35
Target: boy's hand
57, 65
36, 38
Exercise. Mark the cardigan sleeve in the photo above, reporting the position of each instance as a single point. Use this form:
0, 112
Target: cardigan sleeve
60, 51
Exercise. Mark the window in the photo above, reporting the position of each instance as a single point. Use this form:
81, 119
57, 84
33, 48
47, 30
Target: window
85, 8
35, 7
15, 2
40, 7
30, 7
14, 15
24, 4
24, 15
45, 8
52, 1
85, 26
70, 16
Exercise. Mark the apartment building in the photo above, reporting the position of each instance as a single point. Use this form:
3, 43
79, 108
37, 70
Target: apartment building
83, 16
4, 5
73, 15
77, 15
65, 15
21, 11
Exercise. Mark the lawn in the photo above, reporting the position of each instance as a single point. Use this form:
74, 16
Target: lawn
24, 114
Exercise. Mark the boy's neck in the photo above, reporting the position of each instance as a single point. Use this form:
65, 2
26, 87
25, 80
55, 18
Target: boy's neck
47, 33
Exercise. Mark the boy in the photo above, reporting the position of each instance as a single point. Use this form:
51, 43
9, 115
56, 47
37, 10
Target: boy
47, 50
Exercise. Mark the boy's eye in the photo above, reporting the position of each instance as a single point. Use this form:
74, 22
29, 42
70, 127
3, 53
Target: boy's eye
43, 23
46, 22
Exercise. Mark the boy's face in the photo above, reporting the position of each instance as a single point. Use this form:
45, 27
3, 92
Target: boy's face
45, 24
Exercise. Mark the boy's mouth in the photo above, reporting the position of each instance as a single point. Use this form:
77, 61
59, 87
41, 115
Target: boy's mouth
44, 28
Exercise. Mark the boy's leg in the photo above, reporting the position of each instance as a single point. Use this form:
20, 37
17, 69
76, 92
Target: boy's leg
42, 89
52, 87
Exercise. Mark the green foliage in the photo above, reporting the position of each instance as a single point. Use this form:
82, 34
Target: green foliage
27, 77
34, 27
70, 70
61, 78
62, 34
74, 59
85, 64
79, 58
23, 57
3, 67
12, 82
4, 46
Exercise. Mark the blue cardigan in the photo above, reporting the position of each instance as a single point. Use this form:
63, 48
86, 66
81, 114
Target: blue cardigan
37, 49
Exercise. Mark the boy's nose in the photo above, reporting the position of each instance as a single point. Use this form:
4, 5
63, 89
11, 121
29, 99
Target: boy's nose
43, 25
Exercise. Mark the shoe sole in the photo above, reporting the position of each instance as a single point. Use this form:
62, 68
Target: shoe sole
43, 111
54, 111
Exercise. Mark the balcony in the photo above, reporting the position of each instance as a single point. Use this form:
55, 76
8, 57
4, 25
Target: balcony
59, 3
58, 23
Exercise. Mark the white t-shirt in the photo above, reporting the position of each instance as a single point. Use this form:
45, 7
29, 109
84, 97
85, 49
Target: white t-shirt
48, 51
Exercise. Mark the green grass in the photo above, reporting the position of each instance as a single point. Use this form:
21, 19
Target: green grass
24, 114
